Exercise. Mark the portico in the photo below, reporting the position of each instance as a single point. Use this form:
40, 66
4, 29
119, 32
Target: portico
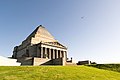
50, 52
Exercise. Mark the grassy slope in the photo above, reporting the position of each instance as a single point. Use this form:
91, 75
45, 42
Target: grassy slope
56, 73
112, 67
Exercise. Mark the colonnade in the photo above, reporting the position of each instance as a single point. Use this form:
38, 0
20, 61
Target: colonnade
51, 53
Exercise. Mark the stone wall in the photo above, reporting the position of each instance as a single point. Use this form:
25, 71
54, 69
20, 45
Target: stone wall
58, 61
41, 61
25, 60
21, 52
32, 51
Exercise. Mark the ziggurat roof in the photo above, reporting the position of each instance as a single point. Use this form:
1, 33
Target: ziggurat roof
41, 35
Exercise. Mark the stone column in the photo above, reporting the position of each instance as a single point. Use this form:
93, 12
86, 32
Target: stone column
41, 52
65, 55
64, 58
53, 54
60, 54
57, 54
46, 54
49, 53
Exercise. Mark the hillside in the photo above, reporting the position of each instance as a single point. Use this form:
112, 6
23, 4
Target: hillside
56, 73
112, 67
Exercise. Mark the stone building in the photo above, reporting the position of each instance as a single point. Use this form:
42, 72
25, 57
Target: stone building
40, 48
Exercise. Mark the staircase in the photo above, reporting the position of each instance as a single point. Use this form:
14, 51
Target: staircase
41, 61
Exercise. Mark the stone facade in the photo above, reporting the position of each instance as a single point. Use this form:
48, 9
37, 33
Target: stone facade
41, 46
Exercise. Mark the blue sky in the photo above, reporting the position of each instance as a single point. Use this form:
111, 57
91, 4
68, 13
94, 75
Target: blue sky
89, 28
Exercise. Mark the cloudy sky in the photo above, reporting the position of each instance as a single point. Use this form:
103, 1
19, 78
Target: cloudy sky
89, 28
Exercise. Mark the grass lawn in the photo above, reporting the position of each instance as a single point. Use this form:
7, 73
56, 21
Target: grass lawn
56, 73
112, 67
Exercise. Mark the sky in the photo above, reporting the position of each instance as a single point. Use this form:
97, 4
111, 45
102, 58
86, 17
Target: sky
89, 28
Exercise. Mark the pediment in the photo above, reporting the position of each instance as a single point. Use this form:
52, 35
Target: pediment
57, 44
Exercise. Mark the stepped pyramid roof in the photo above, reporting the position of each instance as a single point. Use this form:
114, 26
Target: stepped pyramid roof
41, 35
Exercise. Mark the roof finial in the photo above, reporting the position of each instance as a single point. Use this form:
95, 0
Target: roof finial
41, 26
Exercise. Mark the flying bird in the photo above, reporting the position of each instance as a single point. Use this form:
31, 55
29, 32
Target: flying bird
82, 17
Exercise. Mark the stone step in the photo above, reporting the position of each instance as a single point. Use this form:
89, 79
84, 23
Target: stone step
40, 61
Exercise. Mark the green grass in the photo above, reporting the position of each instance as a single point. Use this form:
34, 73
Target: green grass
112, 67
56, 73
